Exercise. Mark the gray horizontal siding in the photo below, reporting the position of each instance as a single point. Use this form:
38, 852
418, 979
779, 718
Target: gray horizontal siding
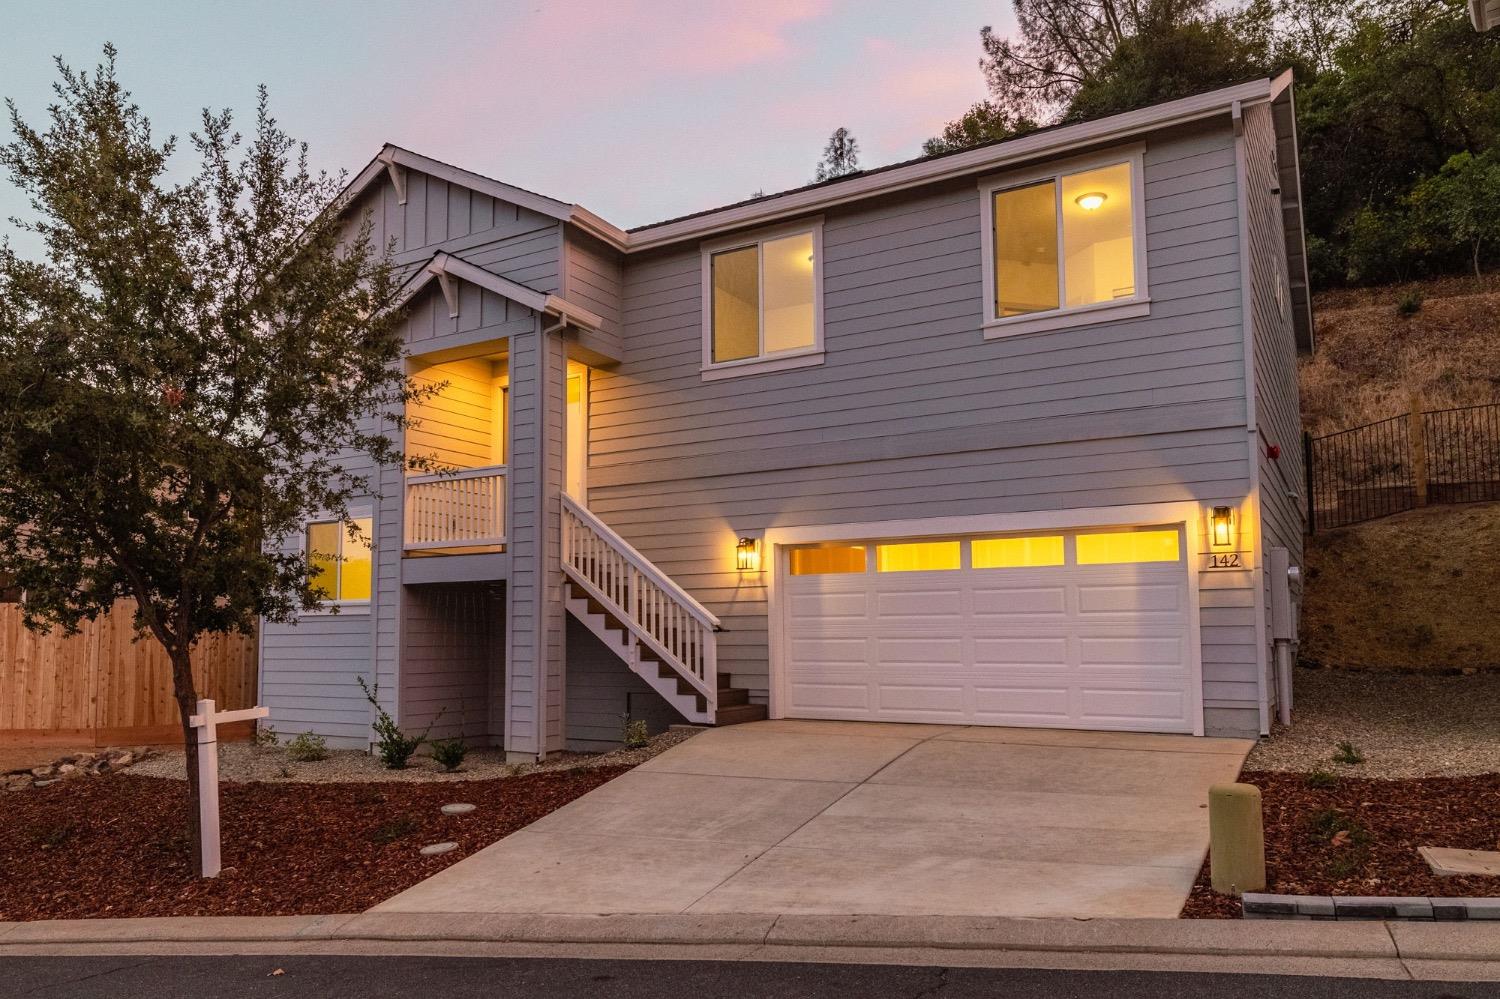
309, 675
913, 414
593, 277
600, 689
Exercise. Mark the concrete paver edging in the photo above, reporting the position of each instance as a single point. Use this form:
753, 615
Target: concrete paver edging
1371, 940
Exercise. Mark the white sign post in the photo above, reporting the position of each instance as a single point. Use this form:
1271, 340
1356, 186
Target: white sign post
207, 722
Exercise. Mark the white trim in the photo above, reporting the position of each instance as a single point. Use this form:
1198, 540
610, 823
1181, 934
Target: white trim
1188, 515
1137, 305
762, 362
330, 608
445, 266
1049, 142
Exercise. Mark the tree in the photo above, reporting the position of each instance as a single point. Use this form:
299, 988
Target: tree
840, 156
1463, 203
181, 374
984, 122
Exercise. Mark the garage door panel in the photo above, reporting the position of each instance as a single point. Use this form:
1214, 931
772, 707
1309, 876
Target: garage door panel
934, 700
1132, 652
1124, 598
1021, 653
1099, 646
1020, 601
832, 606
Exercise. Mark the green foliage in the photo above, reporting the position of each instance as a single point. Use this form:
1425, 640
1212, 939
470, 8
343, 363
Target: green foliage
1410, 304
984, 122
266, 737
1320, 778
634, 733
307, 748
1461, 203
450, 753
1348, 754
1345, 837
394, 747
840, 156
176, 372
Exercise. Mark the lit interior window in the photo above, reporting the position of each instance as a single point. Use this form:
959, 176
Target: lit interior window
1128, 546
824, 561
1094, 212
1016, 553
341, 565
764, 298
917, 556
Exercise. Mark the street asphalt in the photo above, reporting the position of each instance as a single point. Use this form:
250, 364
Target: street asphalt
326, 977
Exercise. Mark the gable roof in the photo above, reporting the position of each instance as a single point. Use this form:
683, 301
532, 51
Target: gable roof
443, 267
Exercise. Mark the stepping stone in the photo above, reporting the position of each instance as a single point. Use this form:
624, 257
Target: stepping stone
1447, 863
458, 808
438, 848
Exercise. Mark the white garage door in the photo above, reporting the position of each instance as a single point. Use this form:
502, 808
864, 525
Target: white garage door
1080, 629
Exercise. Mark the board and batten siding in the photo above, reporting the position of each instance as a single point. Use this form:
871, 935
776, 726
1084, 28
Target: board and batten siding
914, 415
447, 659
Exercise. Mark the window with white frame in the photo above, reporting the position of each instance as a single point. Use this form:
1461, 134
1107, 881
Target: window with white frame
762, 300
340, 559
1065, 244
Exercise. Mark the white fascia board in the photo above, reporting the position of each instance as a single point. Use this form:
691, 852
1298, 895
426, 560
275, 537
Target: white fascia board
446, 265
1047, 143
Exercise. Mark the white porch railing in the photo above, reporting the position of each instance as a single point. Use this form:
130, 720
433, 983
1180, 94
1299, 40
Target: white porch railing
456, 509
660, 614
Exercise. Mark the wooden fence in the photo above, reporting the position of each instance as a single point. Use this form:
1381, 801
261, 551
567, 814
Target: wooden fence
103, 687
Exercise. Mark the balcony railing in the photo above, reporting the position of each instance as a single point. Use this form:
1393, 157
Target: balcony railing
464, 509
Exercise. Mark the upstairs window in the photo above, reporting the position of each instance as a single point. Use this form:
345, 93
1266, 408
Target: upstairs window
1065, 245
340, 563
763, 301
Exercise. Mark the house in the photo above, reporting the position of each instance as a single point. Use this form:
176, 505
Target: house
1007, 436
1484, 14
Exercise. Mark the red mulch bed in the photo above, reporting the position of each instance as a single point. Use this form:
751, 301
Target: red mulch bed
1360, 837
117, 845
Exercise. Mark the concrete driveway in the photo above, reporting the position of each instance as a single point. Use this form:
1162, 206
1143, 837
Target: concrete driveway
854, 817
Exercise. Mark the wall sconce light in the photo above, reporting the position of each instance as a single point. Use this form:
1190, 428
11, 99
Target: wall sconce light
1221, 527
747, 554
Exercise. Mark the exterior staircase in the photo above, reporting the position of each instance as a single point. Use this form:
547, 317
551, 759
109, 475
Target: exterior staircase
653, 625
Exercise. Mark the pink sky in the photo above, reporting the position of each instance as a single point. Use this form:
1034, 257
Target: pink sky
639, 109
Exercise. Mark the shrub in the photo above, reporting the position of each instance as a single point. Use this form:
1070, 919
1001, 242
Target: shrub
450, 753
307, 748
1410, 304
634, 735
393, 746
1348, 753
1320, 778
265, 737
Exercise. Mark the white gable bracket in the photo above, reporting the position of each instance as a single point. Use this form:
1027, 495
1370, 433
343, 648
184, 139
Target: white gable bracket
438, 267
397, 173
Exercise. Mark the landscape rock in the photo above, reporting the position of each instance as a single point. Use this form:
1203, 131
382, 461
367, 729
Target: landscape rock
94, 764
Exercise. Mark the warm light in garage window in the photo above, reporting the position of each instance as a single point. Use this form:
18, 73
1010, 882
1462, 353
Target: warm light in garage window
917, 556
1016, 553
823, 561
1127, 546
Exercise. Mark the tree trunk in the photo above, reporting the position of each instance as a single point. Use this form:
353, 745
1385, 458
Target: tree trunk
187, 703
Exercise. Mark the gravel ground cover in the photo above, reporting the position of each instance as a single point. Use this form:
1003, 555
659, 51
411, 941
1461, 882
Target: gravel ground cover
241, 761
1360, 836
117, 845
1403, 724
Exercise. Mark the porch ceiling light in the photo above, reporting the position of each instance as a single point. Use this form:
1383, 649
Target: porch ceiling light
1091, 200
747, 554
1221, 527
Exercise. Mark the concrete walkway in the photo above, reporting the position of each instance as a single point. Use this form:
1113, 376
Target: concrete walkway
841, 818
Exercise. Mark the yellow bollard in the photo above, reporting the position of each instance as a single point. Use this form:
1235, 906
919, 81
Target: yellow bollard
1236, 839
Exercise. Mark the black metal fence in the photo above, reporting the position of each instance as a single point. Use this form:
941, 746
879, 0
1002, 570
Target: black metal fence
1385, 467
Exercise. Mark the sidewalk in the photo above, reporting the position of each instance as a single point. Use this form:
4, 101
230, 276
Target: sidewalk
1396, 950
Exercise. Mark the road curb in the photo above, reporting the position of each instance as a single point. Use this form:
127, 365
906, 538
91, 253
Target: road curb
1366, 940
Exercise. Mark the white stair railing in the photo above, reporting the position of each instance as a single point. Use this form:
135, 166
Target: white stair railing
660, 614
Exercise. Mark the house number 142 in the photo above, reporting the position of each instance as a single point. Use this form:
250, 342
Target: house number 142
1229, 560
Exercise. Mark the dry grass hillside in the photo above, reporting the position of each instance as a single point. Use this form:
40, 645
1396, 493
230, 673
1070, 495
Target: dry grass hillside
1420, 590
1370, 357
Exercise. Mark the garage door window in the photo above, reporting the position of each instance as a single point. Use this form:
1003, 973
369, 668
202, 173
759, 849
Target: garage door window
1016, 553
918, 556
825, 561
1128, 546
